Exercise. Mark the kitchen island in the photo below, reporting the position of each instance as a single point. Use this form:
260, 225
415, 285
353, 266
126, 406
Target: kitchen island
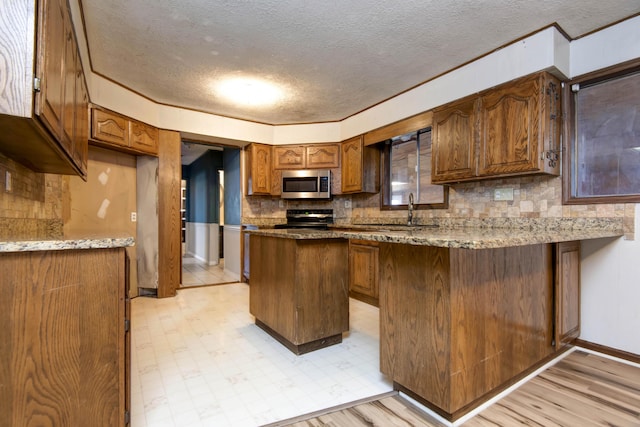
466, 312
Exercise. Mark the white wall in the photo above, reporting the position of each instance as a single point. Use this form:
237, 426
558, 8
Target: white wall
610, 299
202, 241
232, 237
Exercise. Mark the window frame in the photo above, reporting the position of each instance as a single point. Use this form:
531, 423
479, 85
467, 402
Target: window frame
569, 177
385, 196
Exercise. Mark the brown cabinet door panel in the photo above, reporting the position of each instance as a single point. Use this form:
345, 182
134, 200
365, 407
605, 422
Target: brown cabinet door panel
143, 137
51, 51
352, 165
567, 293
510, 129
454, 142
322, 156
289, 157
109, 127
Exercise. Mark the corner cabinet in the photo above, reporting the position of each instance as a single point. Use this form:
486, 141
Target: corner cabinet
360, 167
257, 164
510, 130
42, 115
113, 130
65, 338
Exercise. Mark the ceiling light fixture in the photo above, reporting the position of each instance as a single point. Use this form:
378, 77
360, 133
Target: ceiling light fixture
249, 91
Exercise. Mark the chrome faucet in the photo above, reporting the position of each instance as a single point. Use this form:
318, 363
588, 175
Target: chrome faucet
410, 212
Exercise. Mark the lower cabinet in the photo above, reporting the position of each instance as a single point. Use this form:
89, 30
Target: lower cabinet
65, 340
457, 325
298, 291
363, 271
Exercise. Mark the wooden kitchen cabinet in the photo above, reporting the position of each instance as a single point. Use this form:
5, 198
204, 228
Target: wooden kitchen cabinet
113, 130
65, 340
81, 135
322, 156
258, 169
567, 293
360, 167
363, 271
301, 299
289, 157
510, 130
40, 131
454, 141
520, 128
143, 138
457, 325
310, 156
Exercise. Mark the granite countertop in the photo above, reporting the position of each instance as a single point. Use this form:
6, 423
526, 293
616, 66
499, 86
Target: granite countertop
63, 244
467, 237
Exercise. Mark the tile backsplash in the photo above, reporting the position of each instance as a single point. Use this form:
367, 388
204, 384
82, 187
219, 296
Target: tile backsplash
533, 197
32, 208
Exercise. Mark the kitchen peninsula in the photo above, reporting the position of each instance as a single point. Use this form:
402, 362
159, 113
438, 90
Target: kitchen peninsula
464, 311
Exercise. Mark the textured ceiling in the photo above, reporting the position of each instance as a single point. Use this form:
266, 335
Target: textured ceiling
334, 59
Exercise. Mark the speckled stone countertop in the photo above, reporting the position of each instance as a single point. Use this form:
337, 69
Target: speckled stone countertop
64, 244
520, 234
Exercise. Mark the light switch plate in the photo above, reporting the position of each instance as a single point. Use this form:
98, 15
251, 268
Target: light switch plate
503, 194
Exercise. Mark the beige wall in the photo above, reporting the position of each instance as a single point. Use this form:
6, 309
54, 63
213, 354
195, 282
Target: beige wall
102, 205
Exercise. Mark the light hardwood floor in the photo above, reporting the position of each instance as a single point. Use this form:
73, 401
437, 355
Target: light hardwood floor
583, 389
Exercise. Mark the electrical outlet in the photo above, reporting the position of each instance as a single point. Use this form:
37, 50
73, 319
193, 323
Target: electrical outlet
503, 194
347, 203
8, 185
281, 203
134, 216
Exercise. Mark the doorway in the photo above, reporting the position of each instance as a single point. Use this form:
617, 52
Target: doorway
210, 212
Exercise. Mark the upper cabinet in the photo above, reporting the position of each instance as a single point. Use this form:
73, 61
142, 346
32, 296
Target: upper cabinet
311, 156
39, 49
454, 141
289, 157
322, 156
113, 130
510, 130
360, 167
258, 169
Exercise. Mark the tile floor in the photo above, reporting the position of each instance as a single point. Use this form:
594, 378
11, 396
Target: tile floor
197, 273
199, 360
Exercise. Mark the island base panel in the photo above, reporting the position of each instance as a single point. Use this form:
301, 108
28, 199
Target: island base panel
299, 349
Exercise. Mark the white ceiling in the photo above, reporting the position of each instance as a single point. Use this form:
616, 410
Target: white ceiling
334, 58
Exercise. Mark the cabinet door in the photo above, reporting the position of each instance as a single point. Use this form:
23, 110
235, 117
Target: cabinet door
51, 53
567, 293
322, 156
289, 157
143, 137
69, 99
363, 271
258, 169
454, 141
352, 165
510, 129
81, 134
109, 127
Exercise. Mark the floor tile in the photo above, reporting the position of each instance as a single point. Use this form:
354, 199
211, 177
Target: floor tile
199, 360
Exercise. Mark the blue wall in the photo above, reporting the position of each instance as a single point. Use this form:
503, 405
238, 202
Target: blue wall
232, 192
203, 202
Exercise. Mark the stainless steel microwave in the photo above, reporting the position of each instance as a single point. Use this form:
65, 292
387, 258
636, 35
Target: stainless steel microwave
306, 184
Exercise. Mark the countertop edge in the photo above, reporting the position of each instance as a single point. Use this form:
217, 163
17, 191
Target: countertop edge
66, 244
